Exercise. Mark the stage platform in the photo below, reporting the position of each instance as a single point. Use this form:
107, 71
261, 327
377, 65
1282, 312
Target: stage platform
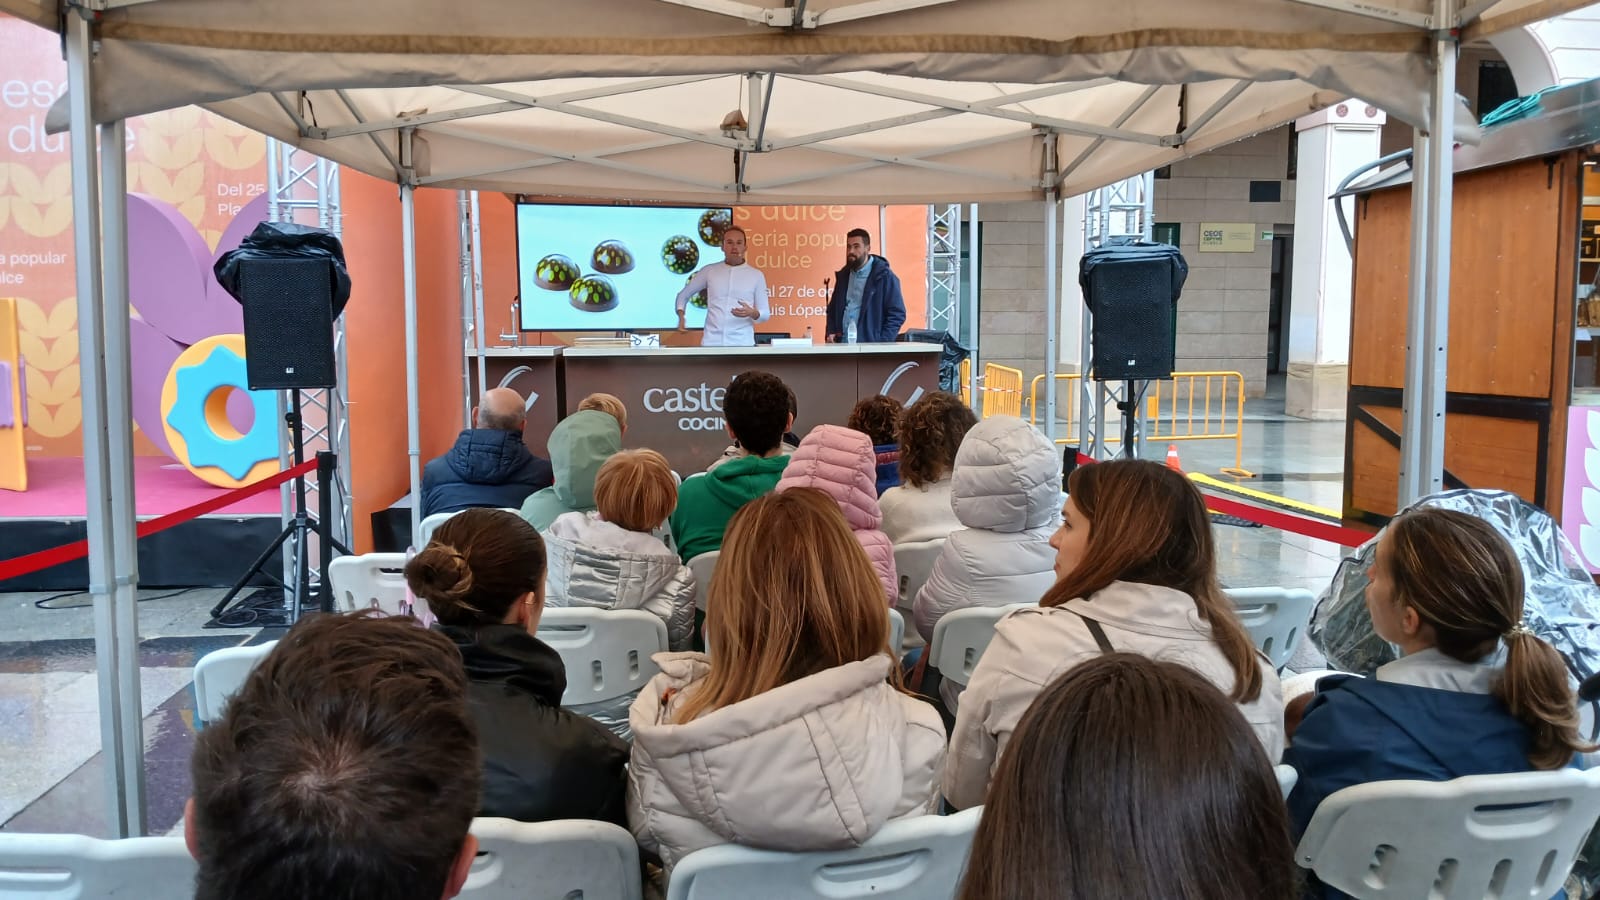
208, 551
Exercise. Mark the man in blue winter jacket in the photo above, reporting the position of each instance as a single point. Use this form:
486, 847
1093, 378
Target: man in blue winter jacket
489, 465
866, 306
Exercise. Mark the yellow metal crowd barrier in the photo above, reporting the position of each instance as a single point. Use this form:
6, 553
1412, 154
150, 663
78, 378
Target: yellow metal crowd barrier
1002, 391
1191, 406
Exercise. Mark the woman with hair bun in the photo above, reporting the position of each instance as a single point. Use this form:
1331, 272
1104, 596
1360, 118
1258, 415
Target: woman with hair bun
483, 576
1474, 692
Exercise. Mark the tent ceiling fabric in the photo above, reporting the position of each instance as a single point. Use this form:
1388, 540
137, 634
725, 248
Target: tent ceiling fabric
846, 100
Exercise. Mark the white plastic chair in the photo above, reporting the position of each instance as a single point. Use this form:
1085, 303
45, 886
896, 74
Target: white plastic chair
74, 867
897, 628
552, 861
914, 562
606, 652
1275, 617
1287, 778
430, 524
916, 859
1474, 837
960, 638
702, 566
219, 674
370, 580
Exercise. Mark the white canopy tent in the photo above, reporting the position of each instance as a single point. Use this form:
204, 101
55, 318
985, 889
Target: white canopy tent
862, 101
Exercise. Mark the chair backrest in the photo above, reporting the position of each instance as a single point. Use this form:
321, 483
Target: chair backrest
1288, 777
370, 580
961, 637
74, 867
1002, 391
915, 859
430, 524
606, 652
1474, 837
1275, 617
702, 566
219, 674
552, 861
897, 628
914, 562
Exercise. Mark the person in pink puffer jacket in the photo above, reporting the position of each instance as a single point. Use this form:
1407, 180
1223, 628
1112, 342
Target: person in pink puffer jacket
841, 463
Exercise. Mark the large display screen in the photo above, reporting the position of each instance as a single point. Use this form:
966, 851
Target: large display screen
613, 268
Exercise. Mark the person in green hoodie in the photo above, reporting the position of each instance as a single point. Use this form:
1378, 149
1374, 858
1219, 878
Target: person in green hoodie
756, 408
578, 446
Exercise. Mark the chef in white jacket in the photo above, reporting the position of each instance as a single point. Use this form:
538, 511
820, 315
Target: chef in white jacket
736, 296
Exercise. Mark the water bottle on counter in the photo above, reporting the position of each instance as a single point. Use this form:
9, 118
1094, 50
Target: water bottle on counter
808, 334
850, 333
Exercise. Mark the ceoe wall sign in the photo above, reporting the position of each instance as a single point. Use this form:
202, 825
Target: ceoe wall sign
1227, 237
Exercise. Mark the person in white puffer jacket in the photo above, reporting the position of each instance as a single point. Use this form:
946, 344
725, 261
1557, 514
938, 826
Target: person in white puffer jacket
794, 732
1006, 491
608, 558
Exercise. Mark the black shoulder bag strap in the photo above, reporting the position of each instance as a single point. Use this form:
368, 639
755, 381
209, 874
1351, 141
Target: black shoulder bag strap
1097, 632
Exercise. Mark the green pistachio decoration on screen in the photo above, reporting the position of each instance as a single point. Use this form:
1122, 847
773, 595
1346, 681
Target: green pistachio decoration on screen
612, 258
555, 273
680, 254
713, 222
594, 293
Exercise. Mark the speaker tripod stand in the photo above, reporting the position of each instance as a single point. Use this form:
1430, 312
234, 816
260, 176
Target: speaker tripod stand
300, 530
1132, 396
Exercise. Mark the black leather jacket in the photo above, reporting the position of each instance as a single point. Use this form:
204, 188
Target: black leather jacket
540, 762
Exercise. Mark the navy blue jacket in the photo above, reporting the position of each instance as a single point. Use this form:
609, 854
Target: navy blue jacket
486, 467
888, 466
1359, 730
883, 309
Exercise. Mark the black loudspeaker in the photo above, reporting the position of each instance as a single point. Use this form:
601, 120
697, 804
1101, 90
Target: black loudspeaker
288, 323
1132, 289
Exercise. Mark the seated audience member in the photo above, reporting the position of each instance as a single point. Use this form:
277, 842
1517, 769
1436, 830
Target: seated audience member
482, 575
1006, 493
785, 446
579, 444
611, 405
1130, 777
877, 417
1136, 572
929, 435
794, 734
489, 465
756, 407
840, 463
1474, 692
343, 767
609, 559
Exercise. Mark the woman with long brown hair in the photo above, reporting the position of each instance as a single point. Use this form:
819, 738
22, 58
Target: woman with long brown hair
1092, 801
792, 732
1474, 692
1136, 572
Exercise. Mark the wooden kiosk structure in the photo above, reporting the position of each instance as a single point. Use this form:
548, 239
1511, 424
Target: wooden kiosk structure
1520, 352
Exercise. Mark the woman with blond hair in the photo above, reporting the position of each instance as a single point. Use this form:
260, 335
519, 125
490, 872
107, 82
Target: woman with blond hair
1135, 572
609, 558
793, 733
1474, 692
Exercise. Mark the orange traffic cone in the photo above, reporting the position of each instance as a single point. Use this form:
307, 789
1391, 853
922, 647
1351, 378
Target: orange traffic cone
1172, 458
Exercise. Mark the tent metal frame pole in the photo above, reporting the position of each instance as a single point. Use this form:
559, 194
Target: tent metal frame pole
1416, 310
1440, 199
119, 445
477, 293
123, 810
408, 249
1052, 285
974, 268
468, 326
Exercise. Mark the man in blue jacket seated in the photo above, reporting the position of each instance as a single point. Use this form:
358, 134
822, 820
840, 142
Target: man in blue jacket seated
489, 465
866, 306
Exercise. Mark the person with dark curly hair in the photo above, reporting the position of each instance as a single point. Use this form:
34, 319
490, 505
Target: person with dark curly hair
929, 433
756, 407
878, 417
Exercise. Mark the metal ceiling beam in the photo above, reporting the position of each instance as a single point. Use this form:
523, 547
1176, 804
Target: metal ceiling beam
1213, 110
425, 118
704, 137
566, 156
875, 164
865, 10
355, 111
1470, 12
1419, 21
1065, 126
524, 165
1089, 151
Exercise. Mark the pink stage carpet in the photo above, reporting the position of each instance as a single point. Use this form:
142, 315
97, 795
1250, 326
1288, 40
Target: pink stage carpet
161, 486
